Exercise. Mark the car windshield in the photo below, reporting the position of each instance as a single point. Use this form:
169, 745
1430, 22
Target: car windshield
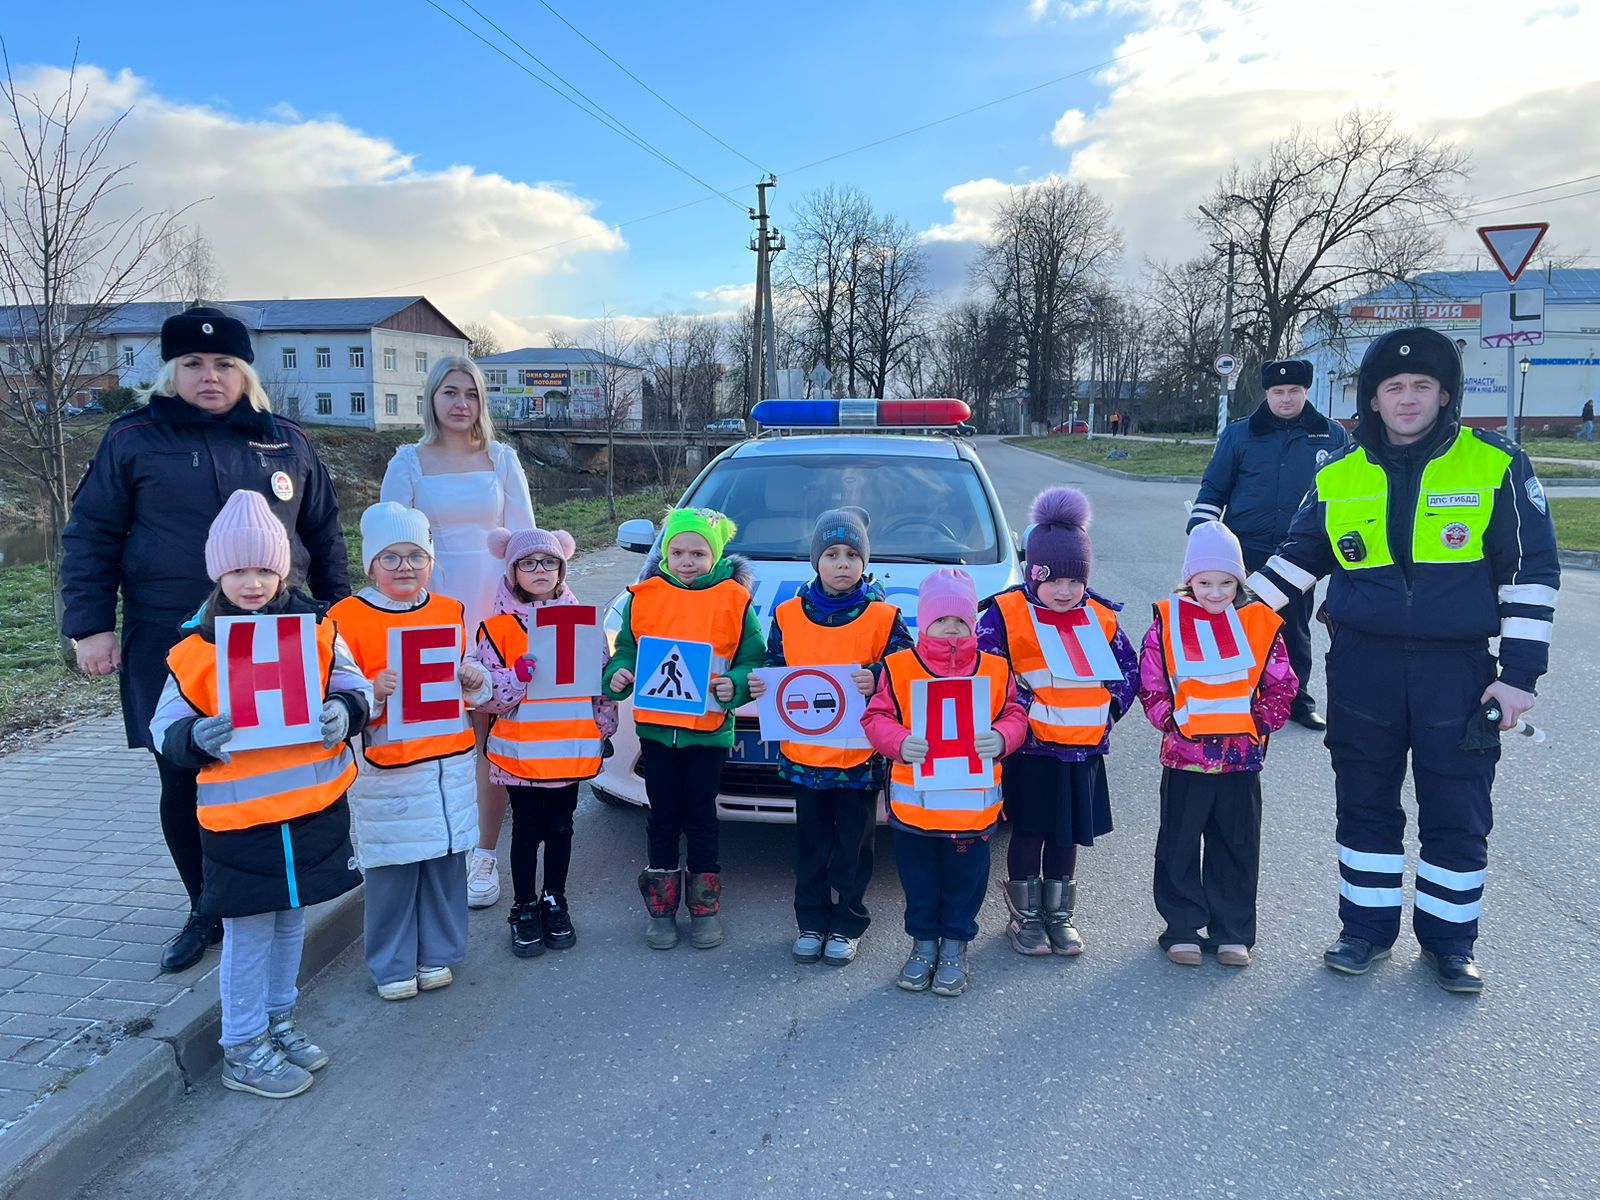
923, 509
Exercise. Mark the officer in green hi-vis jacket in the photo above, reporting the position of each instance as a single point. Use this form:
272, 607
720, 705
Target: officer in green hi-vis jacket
1437, 537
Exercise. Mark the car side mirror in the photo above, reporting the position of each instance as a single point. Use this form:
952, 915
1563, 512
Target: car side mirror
637, 535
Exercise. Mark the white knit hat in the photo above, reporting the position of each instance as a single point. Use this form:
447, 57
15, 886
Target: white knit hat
388, 524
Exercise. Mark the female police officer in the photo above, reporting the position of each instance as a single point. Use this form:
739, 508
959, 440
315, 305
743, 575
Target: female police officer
138, 525
1437, 537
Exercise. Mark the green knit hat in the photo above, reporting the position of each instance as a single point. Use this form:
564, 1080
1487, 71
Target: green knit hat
717, 529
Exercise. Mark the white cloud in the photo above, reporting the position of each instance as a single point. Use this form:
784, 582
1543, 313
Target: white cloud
1517, 89
308, 207
729, 296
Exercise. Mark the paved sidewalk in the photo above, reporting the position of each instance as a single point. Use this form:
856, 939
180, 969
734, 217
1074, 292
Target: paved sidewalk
87, 897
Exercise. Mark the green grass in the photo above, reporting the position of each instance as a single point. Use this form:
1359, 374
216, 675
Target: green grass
36, 687
1577, 523
1567, 447
1144, 458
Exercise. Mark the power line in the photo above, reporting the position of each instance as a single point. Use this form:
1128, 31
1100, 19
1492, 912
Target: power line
601, 50
593, 109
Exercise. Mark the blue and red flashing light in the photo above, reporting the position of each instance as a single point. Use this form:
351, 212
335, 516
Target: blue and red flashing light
861, 414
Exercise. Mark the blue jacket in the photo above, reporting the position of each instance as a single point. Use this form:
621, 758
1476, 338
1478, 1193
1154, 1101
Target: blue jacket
147, 499
1261, 471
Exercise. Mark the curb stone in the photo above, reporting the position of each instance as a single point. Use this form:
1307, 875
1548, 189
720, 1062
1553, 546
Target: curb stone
81, 1128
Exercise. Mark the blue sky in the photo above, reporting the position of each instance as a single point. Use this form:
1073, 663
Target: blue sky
326, 133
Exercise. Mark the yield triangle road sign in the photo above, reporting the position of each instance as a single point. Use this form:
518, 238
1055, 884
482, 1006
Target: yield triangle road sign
1513, 245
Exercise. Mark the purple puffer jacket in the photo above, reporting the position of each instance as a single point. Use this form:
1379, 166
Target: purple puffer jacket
509, 690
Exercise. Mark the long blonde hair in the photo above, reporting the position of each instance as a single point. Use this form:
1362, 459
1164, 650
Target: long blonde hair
166, 384
483, 435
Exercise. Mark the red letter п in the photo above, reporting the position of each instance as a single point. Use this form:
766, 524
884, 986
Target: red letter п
247, 677
1064, 623
956, 743
565, 619
415, 674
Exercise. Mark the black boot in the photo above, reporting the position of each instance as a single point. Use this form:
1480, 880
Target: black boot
558, 931
1352, 955
527, 931
184, 951
1455, 972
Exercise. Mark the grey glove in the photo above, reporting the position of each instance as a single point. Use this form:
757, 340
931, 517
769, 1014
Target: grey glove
211, 734
989, 744
335, 723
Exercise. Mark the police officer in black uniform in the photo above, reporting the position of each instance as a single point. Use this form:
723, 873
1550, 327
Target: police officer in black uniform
1437, 538
139, 521
1262, 468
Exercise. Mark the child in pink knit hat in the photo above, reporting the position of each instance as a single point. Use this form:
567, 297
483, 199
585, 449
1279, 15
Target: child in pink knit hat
539, 749
942, 836
1215, 679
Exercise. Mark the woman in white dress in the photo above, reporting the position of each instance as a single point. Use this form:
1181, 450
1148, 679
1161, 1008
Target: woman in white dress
468, 484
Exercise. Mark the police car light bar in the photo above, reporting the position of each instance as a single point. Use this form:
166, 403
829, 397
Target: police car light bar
861, 414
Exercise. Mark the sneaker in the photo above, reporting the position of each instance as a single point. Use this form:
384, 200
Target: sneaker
400, 989
260, 1068
1352, 955
807, 947
296, 1046
1185, 954
1455, 972
558, 931
431, 978
527, 933
917, 974
840, 950
483, 880
1233, 955
950, 978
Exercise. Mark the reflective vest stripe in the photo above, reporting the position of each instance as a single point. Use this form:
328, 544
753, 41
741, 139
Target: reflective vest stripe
1454, 503
714, 615
805, 643
543, 740
260, 787
365, 628
1219, 705
1062, 712
956, 811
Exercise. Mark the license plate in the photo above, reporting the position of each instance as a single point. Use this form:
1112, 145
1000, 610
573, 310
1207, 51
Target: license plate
749, 748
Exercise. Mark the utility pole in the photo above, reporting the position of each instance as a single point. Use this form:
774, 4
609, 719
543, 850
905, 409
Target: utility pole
764, 347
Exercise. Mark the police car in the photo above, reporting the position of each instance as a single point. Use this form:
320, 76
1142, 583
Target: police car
931, 503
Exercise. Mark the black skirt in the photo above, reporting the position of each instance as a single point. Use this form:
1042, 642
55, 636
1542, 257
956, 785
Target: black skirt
1067, 801
145, 645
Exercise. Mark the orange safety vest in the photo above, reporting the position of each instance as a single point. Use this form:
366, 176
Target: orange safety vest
1212, 705
540, 739
807, 644
1063, 712
260, 787
714, 614
955, 811
365, 628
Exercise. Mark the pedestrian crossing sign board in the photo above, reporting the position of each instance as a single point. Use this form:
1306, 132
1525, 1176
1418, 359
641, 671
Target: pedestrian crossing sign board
673, 677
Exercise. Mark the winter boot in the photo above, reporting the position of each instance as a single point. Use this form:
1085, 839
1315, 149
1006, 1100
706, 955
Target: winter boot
1060, 897
1026, 931
292, 1041
917, 974
661, 891
705, 903
950, 978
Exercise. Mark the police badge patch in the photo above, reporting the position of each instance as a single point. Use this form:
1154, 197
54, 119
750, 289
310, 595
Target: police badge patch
1322, 457
1455, 535
1536, 494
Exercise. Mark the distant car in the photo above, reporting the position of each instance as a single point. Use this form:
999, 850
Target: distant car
1071, 427
726, 425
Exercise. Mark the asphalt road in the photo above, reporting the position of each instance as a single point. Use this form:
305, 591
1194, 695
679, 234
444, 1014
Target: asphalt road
613, 1071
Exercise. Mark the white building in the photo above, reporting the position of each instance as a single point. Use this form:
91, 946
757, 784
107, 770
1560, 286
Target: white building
360, 362
1563, 370
562, 386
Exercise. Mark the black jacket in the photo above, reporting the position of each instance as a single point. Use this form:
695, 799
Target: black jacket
147, 499
1260, 472
1510, 592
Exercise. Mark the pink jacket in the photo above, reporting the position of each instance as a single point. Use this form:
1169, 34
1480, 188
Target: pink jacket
942, 656
1270, 707
509, 691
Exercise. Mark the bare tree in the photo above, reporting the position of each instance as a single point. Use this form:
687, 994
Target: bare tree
193, 276
612, 357
818, 273
969, 352
734, 340
69, 259
894, 297
1052, 242
1184, 307
481, 340
1324, 215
